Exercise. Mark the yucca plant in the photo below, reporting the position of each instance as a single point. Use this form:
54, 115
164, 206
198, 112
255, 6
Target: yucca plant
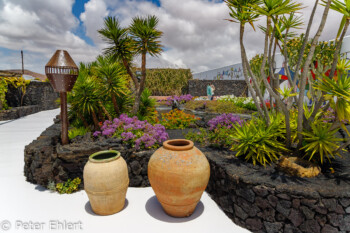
309, 111
125, 101
258, 142
84, 99
321, 142
147, 106
111, 80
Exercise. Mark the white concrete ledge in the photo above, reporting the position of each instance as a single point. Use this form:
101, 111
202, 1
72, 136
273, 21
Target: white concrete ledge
24, 205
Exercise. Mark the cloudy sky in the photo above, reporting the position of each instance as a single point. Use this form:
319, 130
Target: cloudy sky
196, 34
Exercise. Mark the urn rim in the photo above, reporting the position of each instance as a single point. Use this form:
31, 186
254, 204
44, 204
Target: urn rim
178, 144
104, 156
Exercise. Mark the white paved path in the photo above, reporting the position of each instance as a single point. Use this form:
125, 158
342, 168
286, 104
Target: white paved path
25, 207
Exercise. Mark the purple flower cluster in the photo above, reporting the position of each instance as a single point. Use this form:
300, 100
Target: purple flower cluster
180, 99
140, 134
225, 120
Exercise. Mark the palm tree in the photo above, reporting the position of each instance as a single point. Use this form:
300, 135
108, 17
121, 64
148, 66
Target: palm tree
145, 37
140, 38
121, 46
111, 80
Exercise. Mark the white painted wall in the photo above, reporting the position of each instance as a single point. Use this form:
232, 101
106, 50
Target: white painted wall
232, 72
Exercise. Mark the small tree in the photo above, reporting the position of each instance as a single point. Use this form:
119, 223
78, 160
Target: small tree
280, 17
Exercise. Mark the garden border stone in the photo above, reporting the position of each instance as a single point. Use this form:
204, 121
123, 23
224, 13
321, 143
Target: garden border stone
17, 112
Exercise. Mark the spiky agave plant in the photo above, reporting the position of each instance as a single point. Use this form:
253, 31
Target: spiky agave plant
258, 142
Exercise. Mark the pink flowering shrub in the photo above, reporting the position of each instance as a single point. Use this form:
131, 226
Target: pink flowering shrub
139, 134
225, 120
180, 99
219, 132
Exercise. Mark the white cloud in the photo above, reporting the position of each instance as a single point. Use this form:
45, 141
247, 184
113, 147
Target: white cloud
196, 34
39, 28
95, 12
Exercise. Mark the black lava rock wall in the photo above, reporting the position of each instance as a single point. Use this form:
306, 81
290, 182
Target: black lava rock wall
39, 96
262, 206
222, 87
37, 93
47, 160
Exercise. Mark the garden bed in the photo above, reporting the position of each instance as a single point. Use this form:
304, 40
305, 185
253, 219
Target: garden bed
257, 198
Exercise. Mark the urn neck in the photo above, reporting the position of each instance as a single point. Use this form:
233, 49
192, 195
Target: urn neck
104, 156
178, 144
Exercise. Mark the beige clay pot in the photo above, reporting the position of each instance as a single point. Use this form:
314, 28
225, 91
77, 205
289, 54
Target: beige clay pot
106, 181
179, 173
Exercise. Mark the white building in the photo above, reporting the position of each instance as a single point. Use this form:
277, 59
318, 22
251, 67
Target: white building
235, 71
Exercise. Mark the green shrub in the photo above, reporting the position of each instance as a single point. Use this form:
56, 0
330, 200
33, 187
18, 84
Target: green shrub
69, 186
216, 138
242, 102
257, 142
215, 106
51, 186
200, 137
3, 90
17, 82
177, 119
167, 82
72, 133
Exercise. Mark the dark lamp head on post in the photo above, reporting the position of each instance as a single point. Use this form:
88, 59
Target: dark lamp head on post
61, 71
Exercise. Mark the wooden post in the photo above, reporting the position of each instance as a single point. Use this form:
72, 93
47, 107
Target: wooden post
62, 73
64, 118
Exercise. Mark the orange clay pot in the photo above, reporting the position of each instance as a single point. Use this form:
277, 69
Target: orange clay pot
178, 173
106, 181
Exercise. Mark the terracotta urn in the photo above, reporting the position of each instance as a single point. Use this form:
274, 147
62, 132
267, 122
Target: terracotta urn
179, 173
106, 181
